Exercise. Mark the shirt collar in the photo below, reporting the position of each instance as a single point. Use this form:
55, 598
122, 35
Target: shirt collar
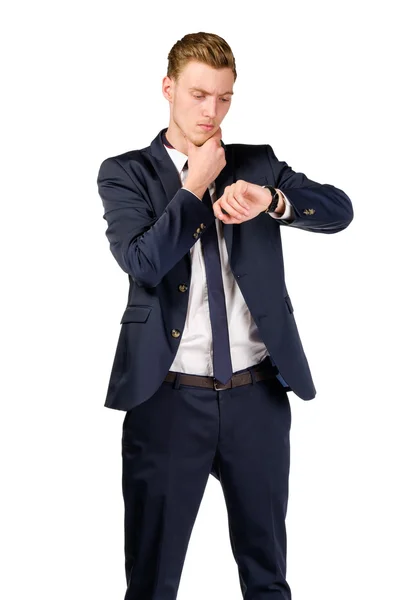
177, 157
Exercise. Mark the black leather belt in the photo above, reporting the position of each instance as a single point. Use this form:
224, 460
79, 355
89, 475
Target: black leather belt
262, 371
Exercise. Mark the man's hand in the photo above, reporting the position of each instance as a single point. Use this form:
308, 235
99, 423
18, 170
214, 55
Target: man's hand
244, 201
204, 163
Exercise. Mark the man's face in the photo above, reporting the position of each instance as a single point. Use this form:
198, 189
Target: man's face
201, 96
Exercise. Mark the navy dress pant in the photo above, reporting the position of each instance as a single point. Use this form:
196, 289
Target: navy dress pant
171, 443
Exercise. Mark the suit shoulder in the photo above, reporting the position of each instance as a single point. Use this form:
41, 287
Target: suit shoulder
134, 163
130, 155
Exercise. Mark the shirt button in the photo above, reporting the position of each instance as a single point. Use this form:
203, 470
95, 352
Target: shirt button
196, 235
183, 287
175, 333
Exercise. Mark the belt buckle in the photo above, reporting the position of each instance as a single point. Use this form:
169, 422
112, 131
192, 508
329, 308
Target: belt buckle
225, 386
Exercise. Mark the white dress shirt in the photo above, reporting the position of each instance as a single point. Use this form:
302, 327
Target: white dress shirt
195, 352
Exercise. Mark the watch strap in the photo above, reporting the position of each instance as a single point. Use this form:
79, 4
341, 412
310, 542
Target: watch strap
275, 199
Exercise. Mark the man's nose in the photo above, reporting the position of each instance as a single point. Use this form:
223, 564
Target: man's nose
210, 109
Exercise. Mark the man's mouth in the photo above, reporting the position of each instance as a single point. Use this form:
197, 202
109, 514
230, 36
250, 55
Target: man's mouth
207, 127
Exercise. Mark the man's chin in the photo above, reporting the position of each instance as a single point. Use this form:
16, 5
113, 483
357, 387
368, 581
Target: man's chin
201, 137
197, 140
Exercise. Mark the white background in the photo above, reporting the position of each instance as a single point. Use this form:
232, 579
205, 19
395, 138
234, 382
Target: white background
81, 82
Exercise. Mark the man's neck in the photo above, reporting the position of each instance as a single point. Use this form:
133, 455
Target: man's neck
176, 139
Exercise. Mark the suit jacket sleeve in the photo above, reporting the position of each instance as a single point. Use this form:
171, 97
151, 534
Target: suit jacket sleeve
144, 245
318, 207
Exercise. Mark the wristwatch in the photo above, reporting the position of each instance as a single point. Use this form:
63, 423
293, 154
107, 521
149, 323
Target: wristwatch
275, 199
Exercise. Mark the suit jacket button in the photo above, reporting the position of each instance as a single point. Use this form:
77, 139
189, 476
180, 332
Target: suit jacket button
196, 235
175, 333
183, 287
198, 230
202, 226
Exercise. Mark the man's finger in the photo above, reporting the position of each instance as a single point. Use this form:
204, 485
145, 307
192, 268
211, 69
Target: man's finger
241, 202
233, 200
218, 134
231, 210
218, 210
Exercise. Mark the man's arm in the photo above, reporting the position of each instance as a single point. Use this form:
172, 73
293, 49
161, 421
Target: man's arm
317, 207
147, 247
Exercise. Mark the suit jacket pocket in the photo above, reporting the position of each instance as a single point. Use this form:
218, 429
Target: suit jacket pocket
136, 314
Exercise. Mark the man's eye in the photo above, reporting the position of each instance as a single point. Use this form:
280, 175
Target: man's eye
199, 96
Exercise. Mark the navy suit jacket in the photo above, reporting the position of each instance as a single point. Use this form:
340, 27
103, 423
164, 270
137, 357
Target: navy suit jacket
153, 223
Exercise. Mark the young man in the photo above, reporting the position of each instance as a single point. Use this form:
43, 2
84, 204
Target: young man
209, 346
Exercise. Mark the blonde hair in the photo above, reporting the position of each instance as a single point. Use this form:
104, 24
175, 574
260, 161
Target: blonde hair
207, 48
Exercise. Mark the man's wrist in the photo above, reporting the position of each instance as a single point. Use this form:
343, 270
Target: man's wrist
198, 190
280, 208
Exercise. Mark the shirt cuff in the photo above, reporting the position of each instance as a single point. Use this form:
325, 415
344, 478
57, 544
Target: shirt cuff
183, 188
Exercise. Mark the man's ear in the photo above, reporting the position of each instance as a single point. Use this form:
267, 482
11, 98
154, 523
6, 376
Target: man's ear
167, 88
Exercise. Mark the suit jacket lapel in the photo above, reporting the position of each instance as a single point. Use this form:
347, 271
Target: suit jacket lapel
164, 168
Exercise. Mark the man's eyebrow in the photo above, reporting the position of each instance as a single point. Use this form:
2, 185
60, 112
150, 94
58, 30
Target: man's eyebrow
195, 89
